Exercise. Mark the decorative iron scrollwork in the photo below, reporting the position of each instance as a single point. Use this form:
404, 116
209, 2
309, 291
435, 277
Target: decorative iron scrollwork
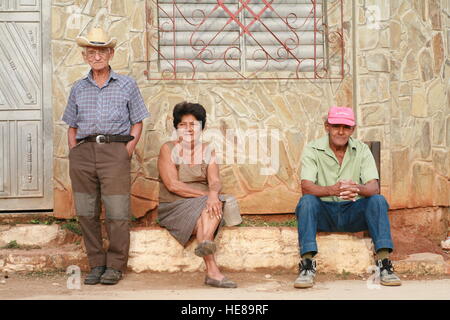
244, 39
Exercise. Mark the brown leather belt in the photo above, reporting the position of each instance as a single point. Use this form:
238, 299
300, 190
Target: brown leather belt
106, 138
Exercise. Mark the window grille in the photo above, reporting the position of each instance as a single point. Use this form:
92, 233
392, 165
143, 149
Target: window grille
238, 39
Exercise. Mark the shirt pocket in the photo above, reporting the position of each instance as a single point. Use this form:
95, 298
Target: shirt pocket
118, 109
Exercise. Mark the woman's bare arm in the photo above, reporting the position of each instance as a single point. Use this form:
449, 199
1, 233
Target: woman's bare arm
214, 205
169, 176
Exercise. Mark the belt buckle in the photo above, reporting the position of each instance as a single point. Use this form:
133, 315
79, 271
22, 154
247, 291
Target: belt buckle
99, 137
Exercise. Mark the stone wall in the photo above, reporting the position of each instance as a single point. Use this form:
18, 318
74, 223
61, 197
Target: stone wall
401, 99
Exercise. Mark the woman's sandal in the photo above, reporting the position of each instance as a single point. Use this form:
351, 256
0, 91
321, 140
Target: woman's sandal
205, 248
224, 283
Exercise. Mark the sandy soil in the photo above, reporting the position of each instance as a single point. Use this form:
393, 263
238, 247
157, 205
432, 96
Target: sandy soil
166, 286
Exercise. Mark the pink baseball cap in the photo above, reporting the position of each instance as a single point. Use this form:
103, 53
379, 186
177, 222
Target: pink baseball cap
341, 115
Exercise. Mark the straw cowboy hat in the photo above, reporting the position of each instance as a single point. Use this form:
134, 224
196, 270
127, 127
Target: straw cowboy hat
97, 37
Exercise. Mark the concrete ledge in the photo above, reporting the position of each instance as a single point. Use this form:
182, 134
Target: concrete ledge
239, 249
42, 259
248, 249
29, 234
421, 264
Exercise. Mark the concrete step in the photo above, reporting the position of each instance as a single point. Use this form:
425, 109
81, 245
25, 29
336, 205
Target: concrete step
247, 249
259, 248
241, 249
422, 264
46, 259
32, 235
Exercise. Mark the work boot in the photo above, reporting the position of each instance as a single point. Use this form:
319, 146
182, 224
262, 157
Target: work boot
387, 275
111, 276
306, 275
93, 277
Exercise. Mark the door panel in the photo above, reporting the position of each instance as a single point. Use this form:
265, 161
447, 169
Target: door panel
20, 65
5, 189
29, 166
20, 5
25, 110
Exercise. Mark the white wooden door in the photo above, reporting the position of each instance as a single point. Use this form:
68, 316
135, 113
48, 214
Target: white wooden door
25, 105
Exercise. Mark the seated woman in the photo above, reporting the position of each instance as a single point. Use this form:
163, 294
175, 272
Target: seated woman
189, 199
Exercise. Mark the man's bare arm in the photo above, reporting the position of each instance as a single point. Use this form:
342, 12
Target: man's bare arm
72, 137
350, 189
309, 187
346, 189
369, 189
135, 131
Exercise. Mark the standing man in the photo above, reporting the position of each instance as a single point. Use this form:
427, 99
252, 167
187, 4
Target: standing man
339, 182
104, 113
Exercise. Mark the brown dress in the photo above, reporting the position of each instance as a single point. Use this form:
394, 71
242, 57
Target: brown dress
179, 215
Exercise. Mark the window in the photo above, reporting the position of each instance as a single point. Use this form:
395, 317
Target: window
238, 39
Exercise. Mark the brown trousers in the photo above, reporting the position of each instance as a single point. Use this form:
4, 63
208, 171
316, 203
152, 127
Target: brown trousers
100, 173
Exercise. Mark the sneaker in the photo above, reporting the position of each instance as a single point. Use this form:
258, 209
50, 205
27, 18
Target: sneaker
94, 276
387, 275
307, 273
111, 276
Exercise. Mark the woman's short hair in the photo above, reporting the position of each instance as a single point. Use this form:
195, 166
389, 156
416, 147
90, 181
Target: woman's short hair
184, 108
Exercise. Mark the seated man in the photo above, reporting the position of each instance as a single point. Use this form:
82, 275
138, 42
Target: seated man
339, 181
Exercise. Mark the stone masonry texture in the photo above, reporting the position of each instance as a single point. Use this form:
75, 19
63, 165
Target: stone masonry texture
396, 78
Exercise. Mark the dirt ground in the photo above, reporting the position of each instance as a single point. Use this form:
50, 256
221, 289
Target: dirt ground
189, 286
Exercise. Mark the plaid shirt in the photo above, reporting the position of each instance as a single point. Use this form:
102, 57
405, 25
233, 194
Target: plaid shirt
112, 109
